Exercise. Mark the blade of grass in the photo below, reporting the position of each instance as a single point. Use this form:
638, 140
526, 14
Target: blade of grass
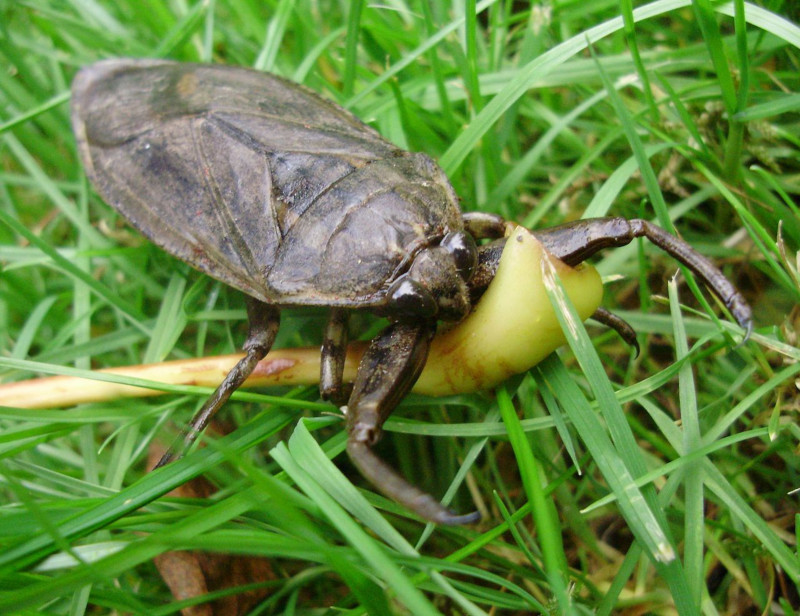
273, 37
170, 322
129, 312
712, 37
39, 592
411, 57
543, 510
729, 496
621, 461
373, 554
308, 453
351, 46
534, 71
694, 503
630, 36
153, 485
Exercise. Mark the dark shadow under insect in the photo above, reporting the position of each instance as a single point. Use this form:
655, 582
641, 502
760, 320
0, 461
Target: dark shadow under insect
264, 185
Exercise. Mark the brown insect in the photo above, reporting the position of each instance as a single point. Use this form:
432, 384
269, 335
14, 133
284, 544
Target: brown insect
289, 198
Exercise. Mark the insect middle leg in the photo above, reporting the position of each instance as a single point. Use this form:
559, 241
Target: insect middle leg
388, 370
263, 326
332, 358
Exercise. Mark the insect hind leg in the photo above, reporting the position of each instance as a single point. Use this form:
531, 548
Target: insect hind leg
263, 326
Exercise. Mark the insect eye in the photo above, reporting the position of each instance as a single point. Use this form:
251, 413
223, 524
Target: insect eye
410, 299
464, 251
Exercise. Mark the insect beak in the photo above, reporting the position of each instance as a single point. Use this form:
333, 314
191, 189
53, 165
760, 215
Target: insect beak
436, 270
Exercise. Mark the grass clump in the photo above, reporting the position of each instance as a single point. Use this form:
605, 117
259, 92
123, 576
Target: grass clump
661, 483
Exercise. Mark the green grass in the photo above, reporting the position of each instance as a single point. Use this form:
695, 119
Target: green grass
656, 483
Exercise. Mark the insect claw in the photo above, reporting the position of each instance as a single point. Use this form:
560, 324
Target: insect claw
748, 329
165, 459
386, 479
463, 519
618, 324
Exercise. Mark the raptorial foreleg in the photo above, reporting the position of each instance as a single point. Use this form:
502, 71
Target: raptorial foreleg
575, 242
388, 370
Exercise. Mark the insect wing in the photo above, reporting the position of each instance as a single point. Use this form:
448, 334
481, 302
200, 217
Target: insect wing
365, 230
213, 163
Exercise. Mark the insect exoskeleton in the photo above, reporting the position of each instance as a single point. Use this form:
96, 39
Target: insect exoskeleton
271, 189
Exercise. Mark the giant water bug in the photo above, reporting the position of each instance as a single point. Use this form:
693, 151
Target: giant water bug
271, 189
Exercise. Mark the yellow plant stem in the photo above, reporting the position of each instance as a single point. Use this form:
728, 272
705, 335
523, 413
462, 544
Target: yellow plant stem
512, 328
